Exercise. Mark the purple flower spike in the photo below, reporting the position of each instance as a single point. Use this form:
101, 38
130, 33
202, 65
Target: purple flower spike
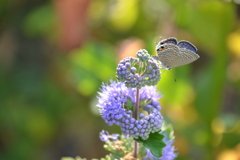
114, 109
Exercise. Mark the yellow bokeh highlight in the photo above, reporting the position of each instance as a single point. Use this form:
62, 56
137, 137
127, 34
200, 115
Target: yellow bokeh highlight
181, 115
218, 126
233, 43
123, 14
230, 154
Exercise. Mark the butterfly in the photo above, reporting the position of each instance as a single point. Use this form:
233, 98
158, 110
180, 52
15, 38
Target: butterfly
172, 53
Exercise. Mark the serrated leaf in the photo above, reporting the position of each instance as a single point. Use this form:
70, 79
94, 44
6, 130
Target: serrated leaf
154, 143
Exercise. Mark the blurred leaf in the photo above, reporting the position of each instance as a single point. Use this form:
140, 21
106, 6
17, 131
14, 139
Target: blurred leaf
91, 65
211, 24
39, 126
87, 86
175, 86
219, 18
40, 21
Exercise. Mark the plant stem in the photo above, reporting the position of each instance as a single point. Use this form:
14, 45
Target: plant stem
135, 112
135, 153
140, 68
135, 115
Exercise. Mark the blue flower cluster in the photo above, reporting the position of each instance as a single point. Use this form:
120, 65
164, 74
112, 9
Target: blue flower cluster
129, 71
115, 108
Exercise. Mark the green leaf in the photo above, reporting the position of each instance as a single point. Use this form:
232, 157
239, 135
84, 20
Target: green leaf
154, 143
129, 104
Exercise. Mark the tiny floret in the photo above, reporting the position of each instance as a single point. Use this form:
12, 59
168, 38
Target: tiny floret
105, 136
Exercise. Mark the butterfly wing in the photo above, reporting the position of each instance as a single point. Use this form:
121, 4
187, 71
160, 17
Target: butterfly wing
170, 40
187, 45
184, 57
174, 57
155, 57
168, 56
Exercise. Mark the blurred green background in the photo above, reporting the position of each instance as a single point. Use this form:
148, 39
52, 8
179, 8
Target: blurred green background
54, 55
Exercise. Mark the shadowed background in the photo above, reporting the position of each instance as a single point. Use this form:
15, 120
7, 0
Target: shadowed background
54, 55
